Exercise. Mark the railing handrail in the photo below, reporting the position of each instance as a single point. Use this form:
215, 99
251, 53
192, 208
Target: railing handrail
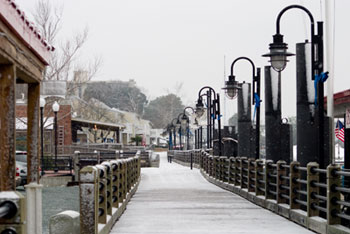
300, 187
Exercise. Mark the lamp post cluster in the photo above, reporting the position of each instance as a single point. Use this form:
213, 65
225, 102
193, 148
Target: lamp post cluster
248, 130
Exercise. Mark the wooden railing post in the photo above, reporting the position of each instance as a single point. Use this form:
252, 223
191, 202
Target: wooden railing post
88, 192
281, 171
232, 170
125, 185
102, 194
108, 169
211, 166
259, 176
312, 176
120, 181
251, 175
227, 169
294, 185
76, 166
115, 183
242, 166
268, 179
333, 181
216, 167
237, 171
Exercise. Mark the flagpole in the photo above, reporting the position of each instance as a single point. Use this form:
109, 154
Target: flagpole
329, 64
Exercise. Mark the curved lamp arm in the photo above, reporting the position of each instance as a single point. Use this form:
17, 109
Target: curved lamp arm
188, 107
206, 87
243, 58
291, 7
278, 49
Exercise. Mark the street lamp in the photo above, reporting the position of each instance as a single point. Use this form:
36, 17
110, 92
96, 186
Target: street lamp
199, 111
55, 108
278, 58
172, 125
213, 111
185, 122
179, 127
231, 88
168, 128
42, 105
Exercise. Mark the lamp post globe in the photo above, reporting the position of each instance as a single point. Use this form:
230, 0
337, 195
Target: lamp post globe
278, 53
42, 102
184, 121
178, 124
199, 108
231, 87
55, 107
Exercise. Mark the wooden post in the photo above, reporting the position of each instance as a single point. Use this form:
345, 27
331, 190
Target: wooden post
312, 177
76, 166
268, 179
259, 176
281, 171
109, 178
237, 171
102, 194
242, 166
88, 189
232, 170
7, 128
33, 133
333, 195
294, 185
251, 175
115, 183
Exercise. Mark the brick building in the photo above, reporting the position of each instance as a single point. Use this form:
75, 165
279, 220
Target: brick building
64, 127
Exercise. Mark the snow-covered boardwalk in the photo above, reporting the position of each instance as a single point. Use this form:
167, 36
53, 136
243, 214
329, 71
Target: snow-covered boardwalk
174, 199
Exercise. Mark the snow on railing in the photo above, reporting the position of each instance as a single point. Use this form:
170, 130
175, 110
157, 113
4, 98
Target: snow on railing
318, 199
105, 189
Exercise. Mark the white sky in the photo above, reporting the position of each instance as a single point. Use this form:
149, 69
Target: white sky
162, 43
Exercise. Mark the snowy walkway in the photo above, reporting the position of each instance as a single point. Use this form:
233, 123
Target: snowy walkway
174, 199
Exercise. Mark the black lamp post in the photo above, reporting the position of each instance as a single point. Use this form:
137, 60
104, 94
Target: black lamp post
199, 113
214, 111
178, 126
278, 58
55, 108
185, 123
170, 137
231, 90
42, 104
173, 126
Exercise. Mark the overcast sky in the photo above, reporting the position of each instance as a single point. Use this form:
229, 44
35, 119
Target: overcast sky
162, 43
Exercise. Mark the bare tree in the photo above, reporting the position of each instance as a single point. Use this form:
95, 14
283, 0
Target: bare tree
65, 58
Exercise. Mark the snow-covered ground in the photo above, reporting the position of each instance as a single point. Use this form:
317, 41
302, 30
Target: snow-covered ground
174, 199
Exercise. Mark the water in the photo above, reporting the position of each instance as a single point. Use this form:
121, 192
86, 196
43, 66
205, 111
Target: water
56, 200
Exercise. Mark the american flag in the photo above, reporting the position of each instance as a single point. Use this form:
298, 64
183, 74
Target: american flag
339, 131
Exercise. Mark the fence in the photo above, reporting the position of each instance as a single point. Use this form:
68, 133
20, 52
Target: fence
313, 197
105, 189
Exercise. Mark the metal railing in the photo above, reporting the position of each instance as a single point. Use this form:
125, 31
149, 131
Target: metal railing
279, 186
104, 191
